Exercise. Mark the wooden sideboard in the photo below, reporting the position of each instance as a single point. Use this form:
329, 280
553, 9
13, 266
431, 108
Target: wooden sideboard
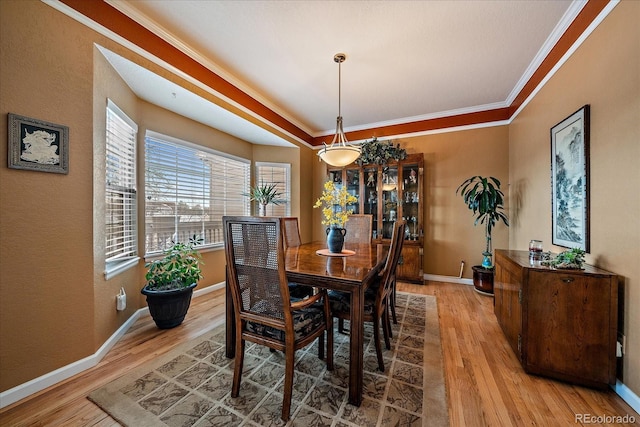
560, 323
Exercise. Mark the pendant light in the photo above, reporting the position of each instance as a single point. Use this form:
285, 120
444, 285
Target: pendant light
340, 153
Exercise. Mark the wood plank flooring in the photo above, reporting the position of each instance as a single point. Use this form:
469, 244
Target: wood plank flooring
486, 386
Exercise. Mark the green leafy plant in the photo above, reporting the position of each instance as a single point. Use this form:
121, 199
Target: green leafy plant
380, 152
178, 268
331, 199
485, 200
571, 260
265, 194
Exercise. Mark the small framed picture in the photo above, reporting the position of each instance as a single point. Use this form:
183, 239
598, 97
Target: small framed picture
570, 181
38, 145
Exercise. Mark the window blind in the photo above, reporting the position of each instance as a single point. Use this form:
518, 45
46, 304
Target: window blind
120, 174
280, 175
188, 189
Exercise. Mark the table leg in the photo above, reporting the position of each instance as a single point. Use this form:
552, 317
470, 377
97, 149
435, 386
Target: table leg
230, 320
356, 332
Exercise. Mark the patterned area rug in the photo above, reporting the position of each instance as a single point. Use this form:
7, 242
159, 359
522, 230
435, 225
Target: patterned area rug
191, 385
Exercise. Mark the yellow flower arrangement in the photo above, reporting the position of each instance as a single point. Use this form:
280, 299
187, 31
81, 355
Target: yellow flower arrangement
330, 200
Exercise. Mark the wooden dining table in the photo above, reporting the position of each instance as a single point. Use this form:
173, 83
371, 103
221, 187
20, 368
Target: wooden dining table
351, 272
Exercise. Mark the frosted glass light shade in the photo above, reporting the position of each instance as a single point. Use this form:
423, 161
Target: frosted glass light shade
340, 155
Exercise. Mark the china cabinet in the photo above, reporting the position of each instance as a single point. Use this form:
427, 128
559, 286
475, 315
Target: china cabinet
560, 323
390, 192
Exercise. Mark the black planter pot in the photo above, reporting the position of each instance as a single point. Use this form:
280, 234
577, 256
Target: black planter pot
168, 308
483, 279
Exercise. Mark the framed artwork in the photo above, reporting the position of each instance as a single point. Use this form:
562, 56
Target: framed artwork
38, 145
570, 181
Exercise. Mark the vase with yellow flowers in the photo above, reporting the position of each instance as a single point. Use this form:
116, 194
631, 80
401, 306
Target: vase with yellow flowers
334, 202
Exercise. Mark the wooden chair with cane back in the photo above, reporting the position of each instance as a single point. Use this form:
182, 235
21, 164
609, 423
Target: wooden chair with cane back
359, 228
264, 312
377, 298
292, 240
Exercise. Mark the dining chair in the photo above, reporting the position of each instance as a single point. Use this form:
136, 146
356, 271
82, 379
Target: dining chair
377, 297
291, 232
264, 312
358, 228
292, 240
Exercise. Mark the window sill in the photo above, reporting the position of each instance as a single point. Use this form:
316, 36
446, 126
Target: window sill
114, 268
204, 249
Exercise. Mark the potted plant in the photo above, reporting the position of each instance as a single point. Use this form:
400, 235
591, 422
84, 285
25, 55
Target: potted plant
572, 259
483, 197
265, 194
170, 283
379, 152
334, 203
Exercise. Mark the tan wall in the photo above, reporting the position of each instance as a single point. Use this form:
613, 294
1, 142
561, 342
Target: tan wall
605, 73
46, 221
450, 158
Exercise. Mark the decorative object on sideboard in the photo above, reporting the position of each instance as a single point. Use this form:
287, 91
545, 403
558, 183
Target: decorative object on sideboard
37, 145
340, 153
570, 181
170, 283
483, 197
568, 260
380, 153
535, 250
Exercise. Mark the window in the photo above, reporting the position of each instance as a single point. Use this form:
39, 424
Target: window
121, 199
280, 175
188, 188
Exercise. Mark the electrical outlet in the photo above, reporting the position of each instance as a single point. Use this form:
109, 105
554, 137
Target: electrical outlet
622, 339
121, 300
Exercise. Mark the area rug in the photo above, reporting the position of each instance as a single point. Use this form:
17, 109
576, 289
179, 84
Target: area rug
191, 385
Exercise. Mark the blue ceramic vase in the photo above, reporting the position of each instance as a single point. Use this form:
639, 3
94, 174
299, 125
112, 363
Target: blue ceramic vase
335, 239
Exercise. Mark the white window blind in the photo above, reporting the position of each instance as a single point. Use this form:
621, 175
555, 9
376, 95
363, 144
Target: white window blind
188, 189
280, 175
121, 200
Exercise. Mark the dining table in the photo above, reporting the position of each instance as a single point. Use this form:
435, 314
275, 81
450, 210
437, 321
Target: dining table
353, 270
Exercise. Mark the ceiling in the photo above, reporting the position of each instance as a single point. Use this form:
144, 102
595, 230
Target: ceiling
406, 60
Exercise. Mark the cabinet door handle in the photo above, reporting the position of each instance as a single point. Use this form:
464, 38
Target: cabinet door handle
568, 280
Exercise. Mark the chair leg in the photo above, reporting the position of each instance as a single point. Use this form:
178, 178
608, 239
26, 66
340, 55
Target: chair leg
341, 325
288, 383
386, 328
238, 366
376, 339
329, 332
321, 346
393, 303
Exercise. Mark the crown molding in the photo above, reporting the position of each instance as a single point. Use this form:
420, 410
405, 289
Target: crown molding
170, 38
142, 35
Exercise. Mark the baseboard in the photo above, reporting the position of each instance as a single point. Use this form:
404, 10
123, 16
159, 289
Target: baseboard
36, 385
627, 395
448, 279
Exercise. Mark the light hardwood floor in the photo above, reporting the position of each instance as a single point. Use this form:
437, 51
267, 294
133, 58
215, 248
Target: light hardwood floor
485, 384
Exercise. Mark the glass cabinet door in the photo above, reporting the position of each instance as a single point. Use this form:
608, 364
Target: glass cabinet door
411, 200
389, 186
370, 202
353, 188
